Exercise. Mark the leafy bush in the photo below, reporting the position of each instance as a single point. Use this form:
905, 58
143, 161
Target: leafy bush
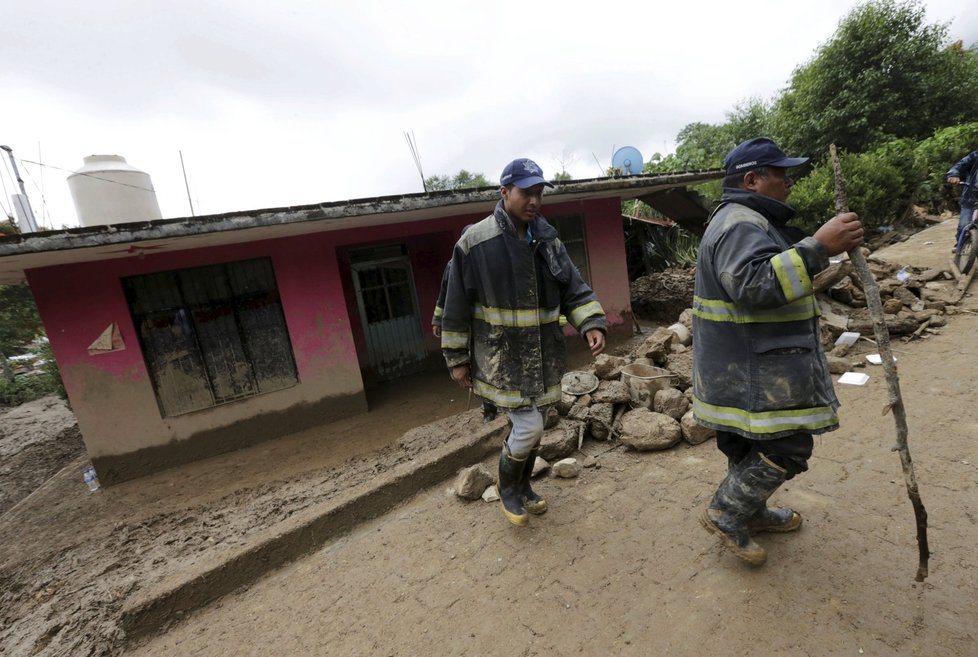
28, 387
934, 156
880, 186
676, 246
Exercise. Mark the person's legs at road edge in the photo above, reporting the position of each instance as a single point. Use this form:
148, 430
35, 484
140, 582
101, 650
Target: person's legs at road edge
515, 458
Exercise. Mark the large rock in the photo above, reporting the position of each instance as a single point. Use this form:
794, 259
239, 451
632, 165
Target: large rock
600, 420
471, 482
607, 367
905, 296
682, 366
670, 402
560, 441
693, 432
657, 346
892, 306
646, 430
566, 468
837, 364
566, 401
610, 392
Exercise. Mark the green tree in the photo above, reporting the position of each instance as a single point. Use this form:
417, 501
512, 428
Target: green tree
884, 74
19, 323
461, 180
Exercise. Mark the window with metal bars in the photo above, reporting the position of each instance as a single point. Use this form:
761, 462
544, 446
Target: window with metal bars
570, 230
211, 335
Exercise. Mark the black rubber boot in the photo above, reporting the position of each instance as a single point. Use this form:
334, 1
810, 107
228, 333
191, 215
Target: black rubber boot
532, 502
488, 412
738, 499
510, 489
780, 519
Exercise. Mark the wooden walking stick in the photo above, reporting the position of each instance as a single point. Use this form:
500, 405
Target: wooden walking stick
890, 369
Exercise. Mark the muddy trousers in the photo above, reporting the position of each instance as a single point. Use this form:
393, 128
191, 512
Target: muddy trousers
526, 432
790, 453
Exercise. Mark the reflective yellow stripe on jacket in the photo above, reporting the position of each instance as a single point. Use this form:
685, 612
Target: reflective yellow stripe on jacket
792, 275
510, 317
804, 419
581, 313
717, 310
454, 340
514, 398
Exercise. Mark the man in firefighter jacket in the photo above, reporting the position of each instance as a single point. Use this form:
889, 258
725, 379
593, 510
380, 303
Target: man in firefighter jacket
760, 377
509, 281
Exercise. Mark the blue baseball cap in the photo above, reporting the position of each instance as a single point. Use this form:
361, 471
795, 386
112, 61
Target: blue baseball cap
758, 152
523, 173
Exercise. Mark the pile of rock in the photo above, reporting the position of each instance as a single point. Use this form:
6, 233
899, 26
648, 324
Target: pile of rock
914, 300
612, 411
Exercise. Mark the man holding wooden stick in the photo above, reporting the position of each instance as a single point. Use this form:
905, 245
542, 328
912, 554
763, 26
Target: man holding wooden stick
760, 377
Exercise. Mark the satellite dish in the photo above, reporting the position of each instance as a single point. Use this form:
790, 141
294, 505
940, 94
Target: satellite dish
627, 161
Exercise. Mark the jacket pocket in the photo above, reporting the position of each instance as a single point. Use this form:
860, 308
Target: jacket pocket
783, 372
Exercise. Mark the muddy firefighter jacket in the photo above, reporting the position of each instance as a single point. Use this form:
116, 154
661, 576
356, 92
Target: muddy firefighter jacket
501, 313
967, 170
758, 366
442, 293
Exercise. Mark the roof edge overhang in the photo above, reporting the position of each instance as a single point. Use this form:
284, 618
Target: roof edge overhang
335, 215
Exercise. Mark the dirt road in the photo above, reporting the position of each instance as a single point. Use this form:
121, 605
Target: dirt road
619, 565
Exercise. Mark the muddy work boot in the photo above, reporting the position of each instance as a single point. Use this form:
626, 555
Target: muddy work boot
739, 498
768, 519
510, 487
774, 520
532, 502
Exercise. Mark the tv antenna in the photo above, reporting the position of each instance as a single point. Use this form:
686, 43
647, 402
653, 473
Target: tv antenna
413, 147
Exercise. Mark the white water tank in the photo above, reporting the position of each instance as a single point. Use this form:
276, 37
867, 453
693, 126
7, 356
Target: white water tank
107, 190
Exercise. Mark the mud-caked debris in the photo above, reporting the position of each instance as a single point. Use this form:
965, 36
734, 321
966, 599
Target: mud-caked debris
490, 494
540, 466
681, 366
670, 402
560, 441
471, 482
566, 468
610, 392
608, 367
551, 418
646, 430
837, 364
693, 432
657, 346
600, 419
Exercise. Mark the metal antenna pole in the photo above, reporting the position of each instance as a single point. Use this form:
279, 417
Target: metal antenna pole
186, 184
23, 201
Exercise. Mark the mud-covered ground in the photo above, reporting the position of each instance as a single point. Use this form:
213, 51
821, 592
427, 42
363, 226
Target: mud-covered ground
618, 566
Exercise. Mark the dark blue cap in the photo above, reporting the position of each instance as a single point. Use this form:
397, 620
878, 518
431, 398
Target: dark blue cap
758, 152
523, 173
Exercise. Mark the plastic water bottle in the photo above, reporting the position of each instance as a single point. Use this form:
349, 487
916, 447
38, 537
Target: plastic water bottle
91, 479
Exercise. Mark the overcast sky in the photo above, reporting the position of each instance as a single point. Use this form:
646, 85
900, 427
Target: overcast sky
296, 102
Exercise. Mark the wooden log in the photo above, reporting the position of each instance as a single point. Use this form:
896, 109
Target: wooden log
892, 378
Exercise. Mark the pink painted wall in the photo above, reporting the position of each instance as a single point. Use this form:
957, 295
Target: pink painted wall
606, 256
111, 393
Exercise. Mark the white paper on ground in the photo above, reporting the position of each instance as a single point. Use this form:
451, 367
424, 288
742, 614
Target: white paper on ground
847, 338
876, 359
854, 378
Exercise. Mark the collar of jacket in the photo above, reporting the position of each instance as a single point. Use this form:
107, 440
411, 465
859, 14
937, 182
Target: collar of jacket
540, 227
772, 209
